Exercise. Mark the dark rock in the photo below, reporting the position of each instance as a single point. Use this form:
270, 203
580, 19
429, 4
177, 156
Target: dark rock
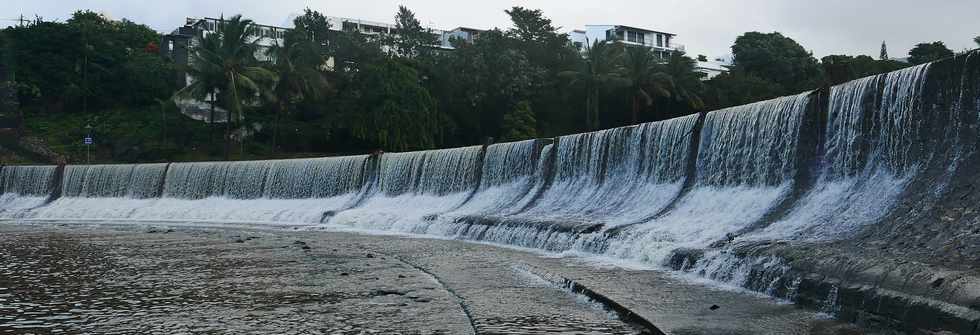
938, 282
238, 240
344, 274
370, 256
383, 292
714, 307
401, 276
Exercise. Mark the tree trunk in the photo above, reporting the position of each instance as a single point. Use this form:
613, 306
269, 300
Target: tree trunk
636, 109
588, 110
275, 127
211, 122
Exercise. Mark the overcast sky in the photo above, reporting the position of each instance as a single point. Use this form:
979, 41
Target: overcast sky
705, 27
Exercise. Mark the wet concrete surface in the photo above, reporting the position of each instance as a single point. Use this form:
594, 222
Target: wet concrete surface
140, 279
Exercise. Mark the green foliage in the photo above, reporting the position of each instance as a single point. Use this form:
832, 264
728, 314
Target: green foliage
412, 38
928, 52
225, 62
388, 106
520, 123
600, 72
738, 88
843, 68
778, 59
87, 62
296, 62
977, 40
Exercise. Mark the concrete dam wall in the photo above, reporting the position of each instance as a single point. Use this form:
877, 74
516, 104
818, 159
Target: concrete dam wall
859, 199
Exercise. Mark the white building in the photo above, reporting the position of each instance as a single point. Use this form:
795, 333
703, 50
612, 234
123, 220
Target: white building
660, 42
712, 67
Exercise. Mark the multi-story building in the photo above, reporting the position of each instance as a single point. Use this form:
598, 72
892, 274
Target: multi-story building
660, 42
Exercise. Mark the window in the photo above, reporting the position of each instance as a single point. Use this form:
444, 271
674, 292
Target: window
634, 36
660, 40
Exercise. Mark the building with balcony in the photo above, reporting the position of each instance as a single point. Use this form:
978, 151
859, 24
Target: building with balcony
660, 42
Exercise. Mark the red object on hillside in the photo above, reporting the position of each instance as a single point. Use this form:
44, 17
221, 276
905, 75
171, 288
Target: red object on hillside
152, 47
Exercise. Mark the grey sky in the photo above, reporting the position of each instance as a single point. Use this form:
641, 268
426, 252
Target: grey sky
705, 27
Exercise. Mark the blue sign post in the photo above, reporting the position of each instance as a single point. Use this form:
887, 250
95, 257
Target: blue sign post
88, 145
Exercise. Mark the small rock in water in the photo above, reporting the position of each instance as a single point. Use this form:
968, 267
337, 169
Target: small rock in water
239, 240
714, 307
344, 274
370, 256
401, 276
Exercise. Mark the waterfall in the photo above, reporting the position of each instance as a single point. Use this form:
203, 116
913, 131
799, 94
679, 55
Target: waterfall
413, 187
113, 181
508, 174
104, 191
25, 187
28, 180
295, 191
874, 148
618, 176
745, 166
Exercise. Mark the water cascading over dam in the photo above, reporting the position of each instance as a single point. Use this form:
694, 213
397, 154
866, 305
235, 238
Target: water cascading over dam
873, 149
26, 188
414, 186
287, 191
875, 156
746, 164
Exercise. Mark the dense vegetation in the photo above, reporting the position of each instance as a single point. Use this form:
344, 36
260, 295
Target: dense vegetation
323, 91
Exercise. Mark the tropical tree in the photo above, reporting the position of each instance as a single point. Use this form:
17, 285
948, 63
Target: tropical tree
226, 60
928, 52
777, 58
519, 123
688, 87
296, 61
977, 40
207, 74
600, 70
641, 67
412, 39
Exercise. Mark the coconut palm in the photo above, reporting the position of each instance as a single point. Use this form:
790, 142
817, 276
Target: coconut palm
204, 68
296, 62
600, 70
687, 85
226, 60
646, 79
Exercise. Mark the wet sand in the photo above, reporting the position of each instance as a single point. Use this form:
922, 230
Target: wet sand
143, 279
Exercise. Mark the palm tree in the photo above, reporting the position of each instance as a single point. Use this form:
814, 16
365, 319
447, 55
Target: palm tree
225, 62
296, 62
646, 78
205, 71
600, 70
687, 85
